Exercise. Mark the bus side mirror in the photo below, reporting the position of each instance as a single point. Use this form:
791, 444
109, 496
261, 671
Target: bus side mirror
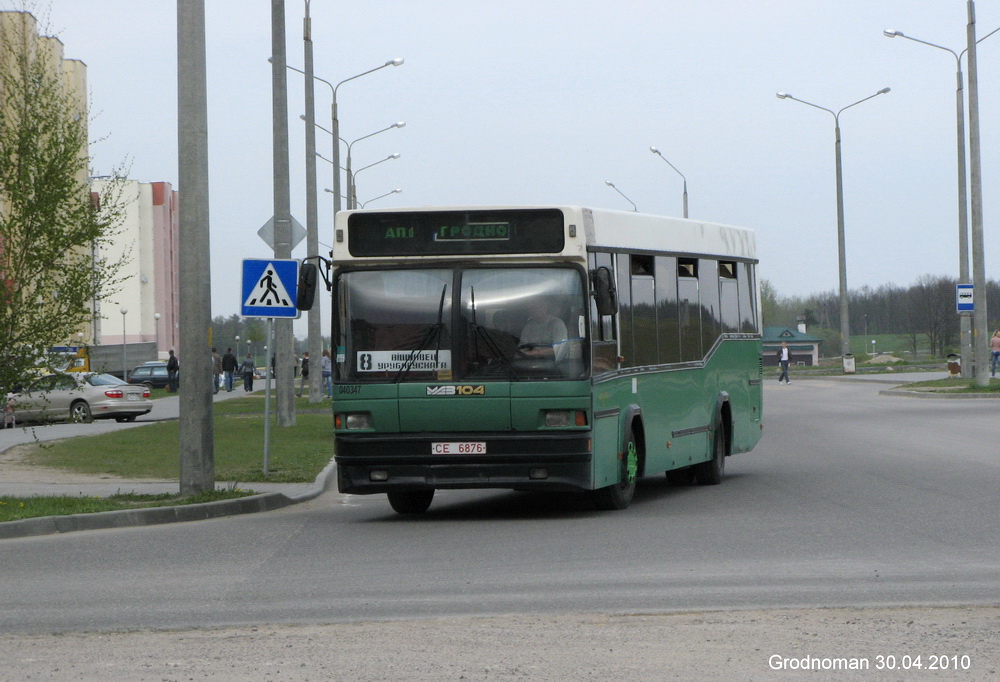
604, 291
306, 292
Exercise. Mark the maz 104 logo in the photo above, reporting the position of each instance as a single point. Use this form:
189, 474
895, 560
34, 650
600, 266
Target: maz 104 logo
456, 390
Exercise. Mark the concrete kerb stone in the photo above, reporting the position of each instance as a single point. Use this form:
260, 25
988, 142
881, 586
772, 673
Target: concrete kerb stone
128, 518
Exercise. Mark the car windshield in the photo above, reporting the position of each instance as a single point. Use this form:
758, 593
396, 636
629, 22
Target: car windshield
524, 323
103, 380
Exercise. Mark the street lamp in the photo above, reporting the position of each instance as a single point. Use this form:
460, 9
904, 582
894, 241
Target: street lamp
238, 346
845, 326
123, 310
612, 186
156, 323
352, 195
965, 320
658, 153
381, 196
353, 198
335, 122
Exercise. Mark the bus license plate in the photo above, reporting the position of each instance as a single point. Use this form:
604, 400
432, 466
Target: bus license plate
458, 448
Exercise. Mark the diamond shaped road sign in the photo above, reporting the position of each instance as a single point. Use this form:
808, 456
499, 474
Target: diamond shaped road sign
266, 232
269, 287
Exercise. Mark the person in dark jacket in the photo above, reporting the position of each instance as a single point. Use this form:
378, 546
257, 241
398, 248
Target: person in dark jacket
229, 366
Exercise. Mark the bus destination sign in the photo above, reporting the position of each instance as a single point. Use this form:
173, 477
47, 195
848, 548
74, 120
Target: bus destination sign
456, 232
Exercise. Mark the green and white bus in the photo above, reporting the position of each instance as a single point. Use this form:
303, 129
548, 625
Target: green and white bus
540, 348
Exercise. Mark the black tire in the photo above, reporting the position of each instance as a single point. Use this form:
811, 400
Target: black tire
127, 418
619, 495
712, 471
410, 501
80, 412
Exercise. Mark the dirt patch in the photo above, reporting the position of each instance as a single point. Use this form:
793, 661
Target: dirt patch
825, 644
15, 467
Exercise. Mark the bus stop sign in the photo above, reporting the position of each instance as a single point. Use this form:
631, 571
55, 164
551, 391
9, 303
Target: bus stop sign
964, 301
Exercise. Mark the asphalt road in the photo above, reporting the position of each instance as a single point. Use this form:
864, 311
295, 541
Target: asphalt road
852, 500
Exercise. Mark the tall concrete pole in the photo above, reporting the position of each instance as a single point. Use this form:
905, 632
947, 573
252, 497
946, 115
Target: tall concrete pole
283, 357
980, 332
315, 325
197, 453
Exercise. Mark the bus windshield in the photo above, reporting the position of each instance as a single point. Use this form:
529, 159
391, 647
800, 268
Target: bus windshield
515, 324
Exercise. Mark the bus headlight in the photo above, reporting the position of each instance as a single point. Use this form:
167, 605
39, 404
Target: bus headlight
353, 421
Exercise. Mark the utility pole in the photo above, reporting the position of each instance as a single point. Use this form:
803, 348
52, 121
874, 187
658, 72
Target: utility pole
197, 444
315, 325
980, 332
283, 341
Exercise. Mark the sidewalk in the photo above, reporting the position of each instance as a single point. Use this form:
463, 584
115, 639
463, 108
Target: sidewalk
39, 482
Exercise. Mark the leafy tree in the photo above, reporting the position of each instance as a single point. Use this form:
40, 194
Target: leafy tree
51, 232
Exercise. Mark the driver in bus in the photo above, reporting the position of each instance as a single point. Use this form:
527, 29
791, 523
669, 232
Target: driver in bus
543, 332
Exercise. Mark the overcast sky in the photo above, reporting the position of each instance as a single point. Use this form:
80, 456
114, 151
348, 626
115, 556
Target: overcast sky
541, 101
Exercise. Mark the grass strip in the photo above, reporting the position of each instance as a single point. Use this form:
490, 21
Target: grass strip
19, 508
297, 454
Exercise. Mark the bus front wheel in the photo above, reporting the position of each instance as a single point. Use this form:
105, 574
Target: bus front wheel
619, 495
411, 501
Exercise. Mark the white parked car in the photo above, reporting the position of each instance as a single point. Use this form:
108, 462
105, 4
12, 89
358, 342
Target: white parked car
80, 397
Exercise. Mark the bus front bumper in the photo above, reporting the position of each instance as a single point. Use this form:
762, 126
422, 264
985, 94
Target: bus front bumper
379, 464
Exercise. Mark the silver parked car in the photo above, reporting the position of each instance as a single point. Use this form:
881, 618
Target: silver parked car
80, 397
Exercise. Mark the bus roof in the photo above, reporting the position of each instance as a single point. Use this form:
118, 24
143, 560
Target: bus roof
622, 230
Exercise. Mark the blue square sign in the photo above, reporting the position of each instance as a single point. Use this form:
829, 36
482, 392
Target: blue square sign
269, 287
965, 301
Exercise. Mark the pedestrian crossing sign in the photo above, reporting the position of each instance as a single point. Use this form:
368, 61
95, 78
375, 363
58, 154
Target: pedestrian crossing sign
269, 287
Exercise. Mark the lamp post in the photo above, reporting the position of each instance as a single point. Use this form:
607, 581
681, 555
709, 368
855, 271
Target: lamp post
965, 319
845, 326
315, 338
123, 310
335, 122
352, 195
658, 153
238, 347
352, 199
381, 196
612, 186
156, 323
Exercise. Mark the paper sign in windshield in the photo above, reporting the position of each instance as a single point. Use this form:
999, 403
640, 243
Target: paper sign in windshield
395, 360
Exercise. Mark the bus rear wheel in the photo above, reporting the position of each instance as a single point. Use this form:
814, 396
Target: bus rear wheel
410, 501
619, 495
711, 472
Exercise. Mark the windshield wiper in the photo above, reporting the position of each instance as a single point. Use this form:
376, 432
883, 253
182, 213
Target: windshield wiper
482, 332
433, 333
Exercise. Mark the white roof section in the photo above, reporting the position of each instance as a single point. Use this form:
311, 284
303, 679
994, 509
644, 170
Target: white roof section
629, 230
623, 230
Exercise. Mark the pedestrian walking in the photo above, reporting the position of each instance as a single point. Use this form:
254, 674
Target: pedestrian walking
216, 369
229, 366
248, 369
784, 356
326, 365
994, 352
173, 371
304, 373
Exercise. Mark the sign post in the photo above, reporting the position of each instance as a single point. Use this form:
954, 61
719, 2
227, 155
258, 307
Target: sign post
270, 287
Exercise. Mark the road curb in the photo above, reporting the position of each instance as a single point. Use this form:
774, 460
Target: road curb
130, 518
939, 395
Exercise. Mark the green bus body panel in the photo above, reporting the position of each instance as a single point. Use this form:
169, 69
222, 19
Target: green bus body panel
677, 407
676, 428
500, 407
